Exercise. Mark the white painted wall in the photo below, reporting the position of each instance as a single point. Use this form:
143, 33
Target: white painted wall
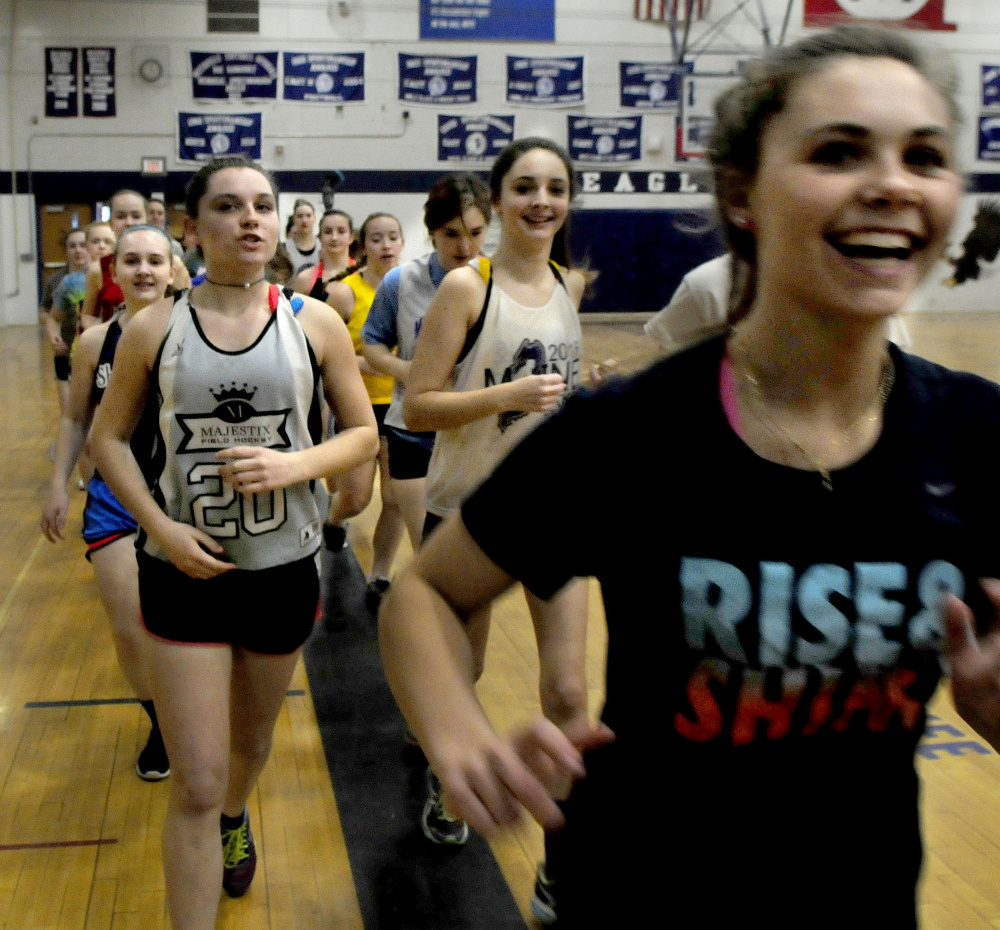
370, 135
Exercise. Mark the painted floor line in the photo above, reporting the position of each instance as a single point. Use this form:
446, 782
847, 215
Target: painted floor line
102, 702
16, 586
62, 844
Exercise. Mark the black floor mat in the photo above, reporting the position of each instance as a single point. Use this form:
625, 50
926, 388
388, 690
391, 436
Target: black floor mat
402, 880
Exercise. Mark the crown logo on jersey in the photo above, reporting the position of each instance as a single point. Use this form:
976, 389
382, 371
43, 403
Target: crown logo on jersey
233, 392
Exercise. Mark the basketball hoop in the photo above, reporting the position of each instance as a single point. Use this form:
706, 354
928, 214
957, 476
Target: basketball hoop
671, 11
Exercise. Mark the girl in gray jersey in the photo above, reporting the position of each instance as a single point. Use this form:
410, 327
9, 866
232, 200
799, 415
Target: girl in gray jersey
456, 215
227, 382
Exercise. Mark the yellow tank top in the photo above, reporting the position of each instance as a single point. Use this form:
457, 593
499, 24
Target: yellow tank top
379, 386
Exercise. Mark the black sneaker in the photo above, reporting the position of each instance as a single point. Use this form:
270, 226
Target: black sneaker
374, 591
153, 764
334, 537
239, 858
438, 825
543, 900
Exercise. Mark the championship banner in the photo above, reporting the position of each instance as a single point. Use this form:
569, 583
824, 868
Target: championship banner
99, 82
62, 92
473, 139
324, 77
488, 20
204, 136
605, 140
545, 81
437, 79
918, 14
989, 138
652, 85
234, 75
991, 85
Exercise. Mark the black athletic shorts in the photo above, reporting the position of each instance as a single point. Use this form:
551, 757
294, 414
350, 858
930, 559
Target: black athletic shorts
61, 363
409, 453
270, 611
380, 411
431, 522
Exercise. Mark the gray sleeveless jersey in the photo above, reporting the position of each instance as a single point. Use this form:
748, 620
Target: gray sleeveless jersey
416, 291
266, 395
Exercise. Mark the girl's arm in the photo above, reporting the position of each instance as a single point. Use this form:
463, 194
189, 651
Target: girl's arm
576, 284
340, 296
428, 663
251, 469
384, 361
187, 547
975, 662
53, 328
303, 281
429, 404
182, 279
72, 430
91, 288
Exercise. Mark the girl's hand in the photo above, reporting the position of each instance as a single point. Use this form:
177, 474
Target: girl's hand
58, 343
54, 515
193, 551
975, 664
600, 371
535, 393
253, 469
490, 785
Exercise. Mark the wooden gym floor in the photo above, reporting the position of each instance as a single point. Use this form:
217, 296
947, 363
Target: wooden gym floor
80, 833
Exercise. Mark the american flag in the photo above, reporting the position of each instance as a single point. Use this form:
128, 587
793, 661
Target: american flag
665, 10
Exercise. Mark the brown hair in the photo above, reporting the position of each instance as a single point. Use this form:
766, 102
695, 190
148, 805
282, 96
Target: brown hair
197, 186
452, 196
743, 112
505, 161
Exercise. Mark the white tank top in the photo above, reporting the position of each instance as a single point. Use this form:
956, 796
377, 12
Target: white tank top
512, 342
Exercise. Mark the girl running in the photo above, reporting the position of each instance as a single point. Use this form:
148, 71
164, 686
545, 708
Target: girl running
778, 593
457, 214
300, 238
336, 233
381, 239
230, 381
498, 349
143, 269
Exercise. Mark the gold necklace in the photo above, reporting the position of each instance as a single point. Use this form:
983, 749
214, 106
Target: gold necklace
887, 378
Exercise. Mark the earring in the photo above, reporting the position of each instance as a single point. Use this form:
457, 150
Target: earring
741, 220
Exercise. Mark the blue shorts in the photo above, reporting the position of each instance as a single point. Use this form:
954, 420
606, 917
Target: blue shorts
104, 519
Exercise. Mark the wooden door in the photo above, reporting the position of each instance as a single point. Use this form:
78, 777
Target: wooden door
54, 219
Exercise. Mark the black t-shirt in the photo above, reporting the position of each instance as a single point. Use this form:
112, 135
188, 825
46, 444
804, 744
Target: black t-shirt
771, 643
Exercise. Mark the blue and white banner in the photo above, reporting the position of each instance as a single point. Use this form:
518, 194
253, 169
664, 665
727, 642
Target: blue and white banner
476, 139
652, 85
991, 85
545, 81
437, 79
62, 88
203, 136
489, 20
324, 77
989, 138
605, 140
99, 82
234, 75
